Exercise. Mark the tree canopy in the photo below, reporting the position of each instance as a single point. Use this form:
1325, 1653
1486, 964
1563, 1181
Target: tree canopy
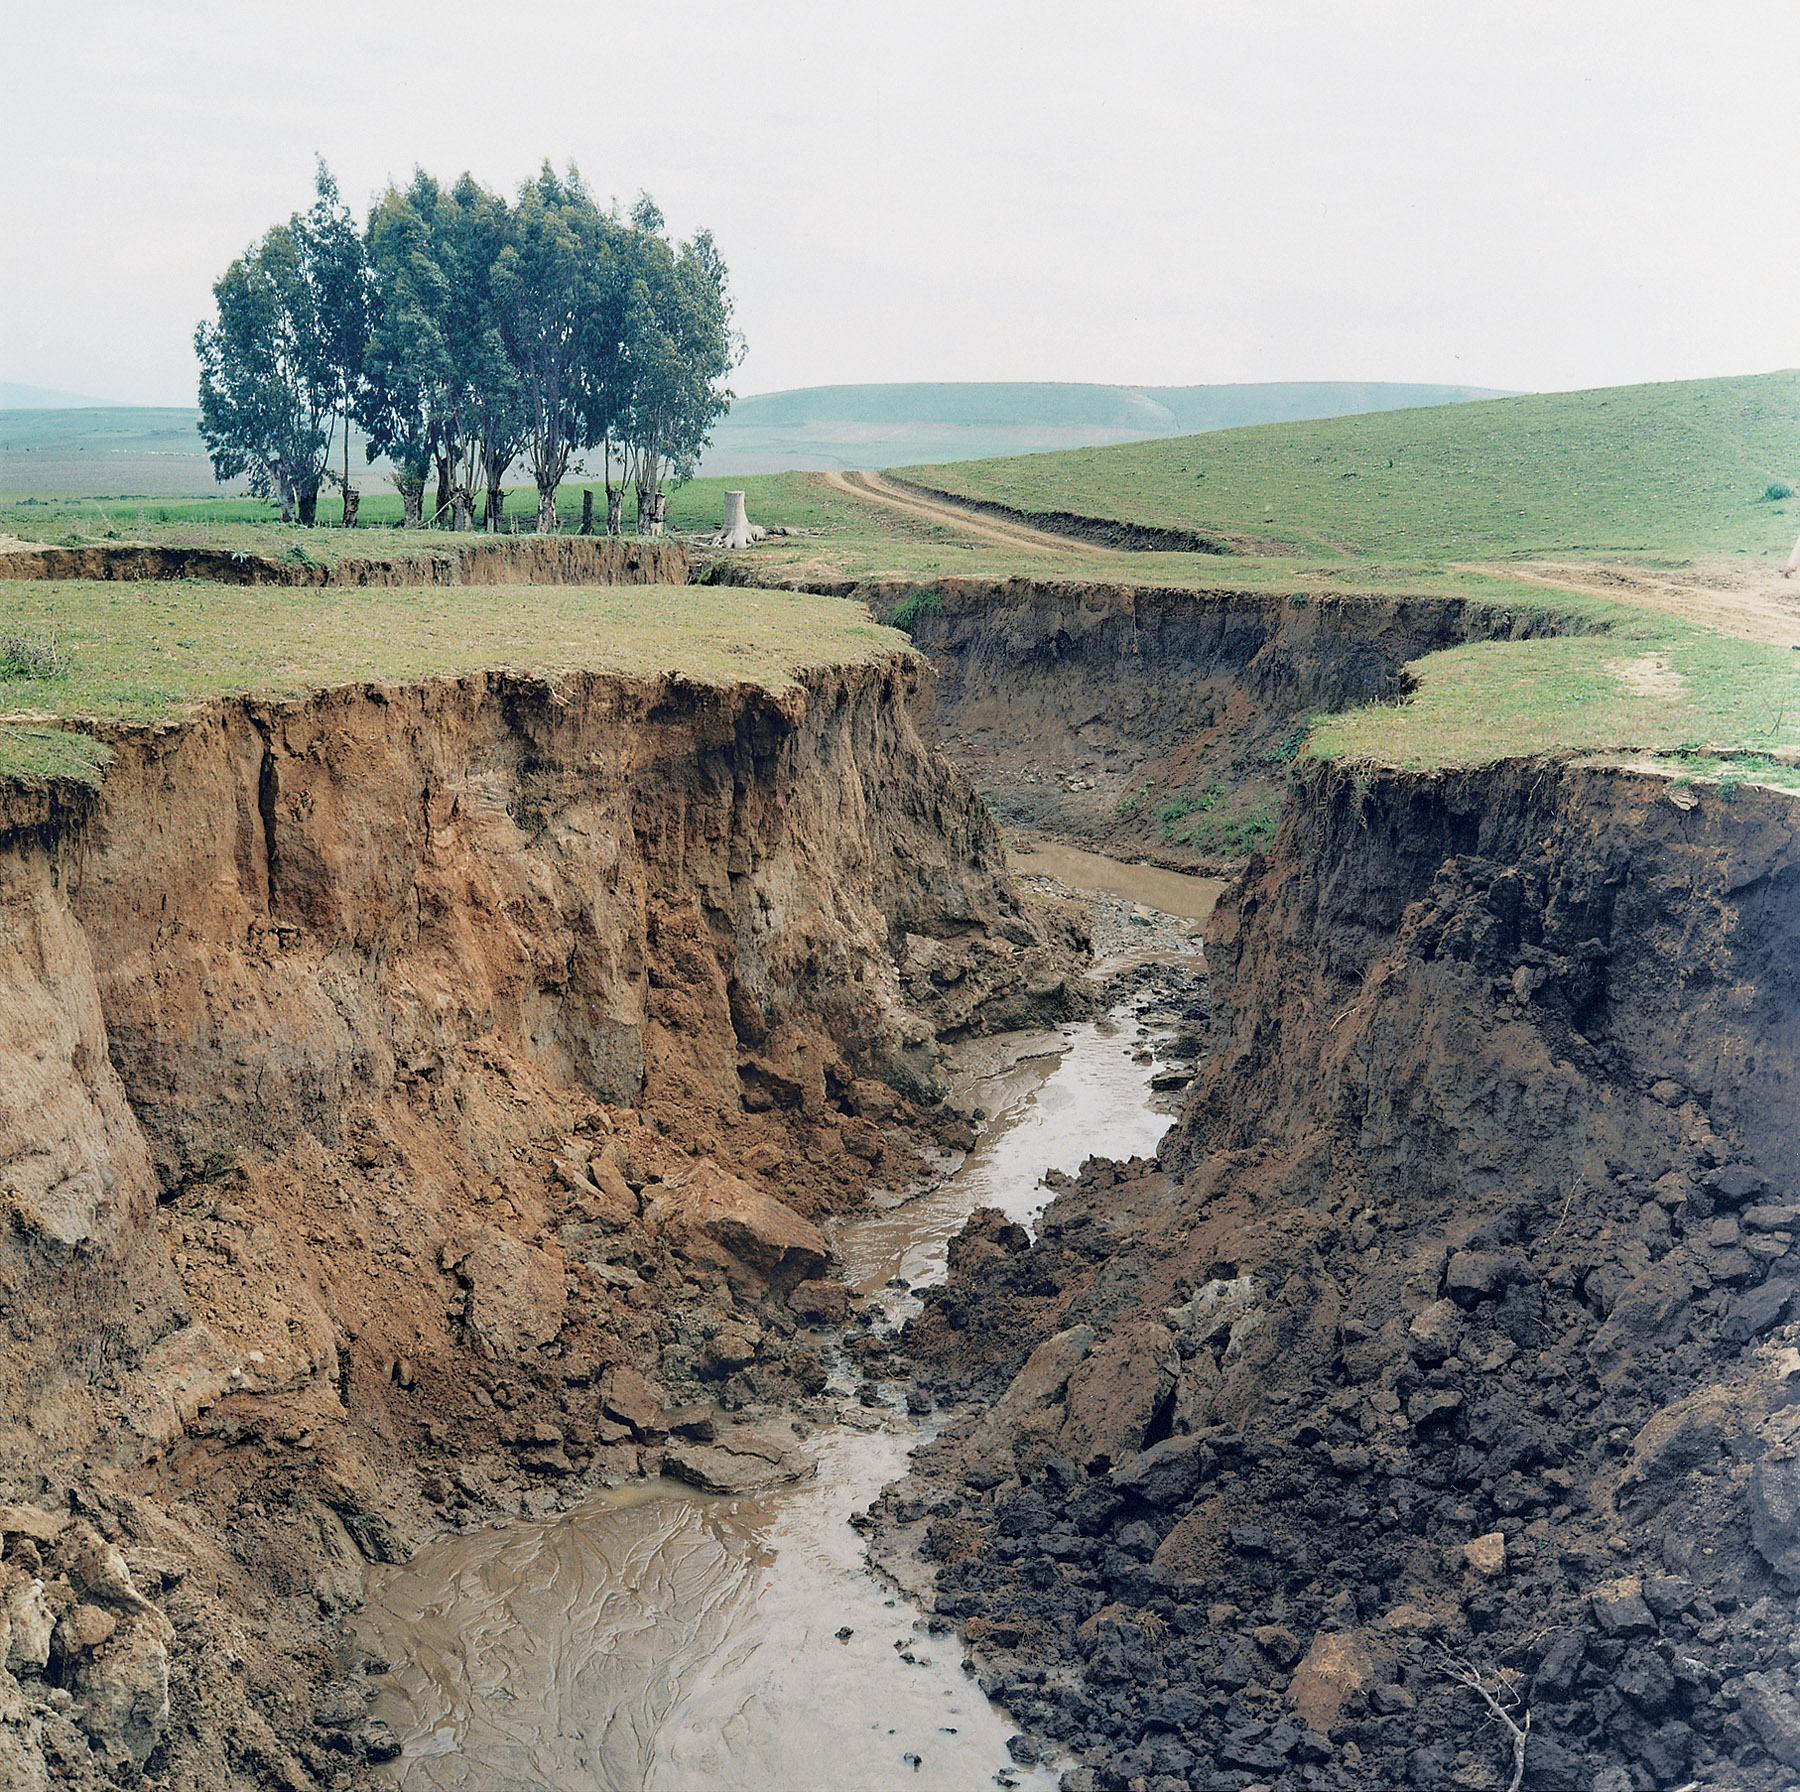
464, 334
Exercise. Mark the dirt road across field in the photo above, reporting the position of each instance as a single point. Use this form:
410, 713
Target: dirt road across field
875, 489
1752, 603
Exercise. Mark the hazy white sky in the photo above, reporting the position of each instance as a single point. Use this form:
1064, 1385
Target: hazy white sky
1497, 192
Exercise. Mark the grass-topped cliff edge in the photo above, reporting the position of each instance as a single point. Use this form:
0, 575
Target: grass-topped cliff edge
77, 649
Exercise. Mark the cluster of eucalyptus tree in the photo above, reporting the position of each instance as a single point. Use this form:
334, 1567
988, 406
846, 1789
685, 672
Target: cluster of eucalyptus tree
464, 335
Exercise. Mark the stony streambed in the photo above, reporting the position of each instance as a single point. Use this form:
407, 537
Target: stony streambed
661, 1638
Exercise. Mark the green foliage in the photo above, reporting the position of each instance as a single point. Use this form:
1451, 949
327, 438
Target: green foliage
283, 360
1776, 490
30, 754
1132, 801
928, 602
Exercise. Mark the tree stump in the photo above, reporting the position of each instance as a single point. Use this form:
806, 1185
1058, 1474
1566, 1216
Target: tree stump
615, 510
352, 504
587, 511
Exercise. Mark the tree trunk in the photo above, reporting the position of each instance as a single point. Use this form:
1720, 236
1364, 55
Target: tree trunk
443, 503
615, 510
546, 510
496, 510
352, 504
658, 506
643, 511
587, 511
412, 502
309, 505
462, 511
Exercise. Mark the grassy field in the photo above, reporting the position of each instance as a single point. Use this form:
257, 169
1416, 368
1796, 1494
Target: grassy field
1648, 686
1661, 471
140, 652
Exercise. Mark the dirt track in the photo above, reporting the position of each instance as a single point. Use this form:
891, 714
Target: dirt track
875, 489
1754, 604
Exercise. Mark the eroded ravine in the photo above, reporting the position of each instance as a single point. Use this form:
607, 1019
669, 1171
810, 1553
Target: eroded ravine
661, 1638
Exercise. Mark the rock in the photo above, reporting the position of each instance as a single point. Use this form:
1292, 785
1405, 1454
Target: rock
819, 1302
83, 1627
1029, 1413
1774, 1500
1026, 1750
1115, 1392
1619, 1608
698, 1423
1555, 1678
1278, 1643
1436, 1332
1472, 1276
30, 1521
1486, 1555
634, 1400
124, 1688
1552, 1767
1764, 1217
1723, 1232
730, 1348
515, 1302
1757, 1310
1210, 1314
1168, 1473
715, 1217
1735, 1184
32, 1623
742, 1460
1432, 1406
1351, 1459
1339, 1663
100, 1571
1775, 1716
1652, 1314
1668, 1595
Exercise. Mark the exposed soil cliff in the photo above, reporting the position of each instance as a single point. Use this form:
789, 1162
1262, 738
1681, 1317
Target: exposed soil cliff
1458, 1316
407, 1095
527, 560
1159, 720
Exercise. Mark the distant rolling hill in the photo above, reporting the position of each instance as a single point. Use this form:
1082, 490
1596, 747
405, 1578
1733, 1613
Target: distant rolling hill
893, 425
84, 449
42, 398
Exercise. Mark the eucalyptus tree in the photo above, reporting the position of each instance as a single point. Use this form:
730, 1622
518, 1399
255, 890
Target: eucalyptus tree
678, 347
556, 297
281, 362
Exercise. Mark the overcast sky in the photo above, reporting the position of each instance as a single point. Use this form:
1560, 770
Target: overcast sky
1493, 192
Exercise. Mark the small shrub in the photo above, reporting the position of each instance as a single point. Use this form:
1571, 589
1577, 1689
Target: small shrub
32, 653
1132, 801
1775, 491
928, 602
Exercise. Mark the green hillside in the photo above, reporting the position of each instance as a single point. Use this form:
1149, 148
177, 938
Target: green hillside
1675, 469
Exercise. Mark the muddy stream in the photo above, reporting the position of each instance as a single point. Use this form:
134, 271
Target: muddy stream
658, 1638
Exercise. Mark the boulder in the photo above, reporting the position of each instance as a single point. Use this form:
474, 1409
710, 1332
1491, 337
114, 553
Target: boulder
32, 1624
715, 1217
819, 1302
1167, 1474
1338, 1665
1775, 1717
1774, 1497
634, 1400
1619, 1608
1210, 1314
742, 1459
515, 1302
1758, 1310
1472, 1276
1116, 1391
124, 1688
1486, 1555
1028, 1415
1436, 1332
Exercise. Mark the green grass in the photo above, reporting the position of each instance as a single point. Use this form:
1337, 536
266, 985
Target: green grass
140, 652
1711, 697
1673, 469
